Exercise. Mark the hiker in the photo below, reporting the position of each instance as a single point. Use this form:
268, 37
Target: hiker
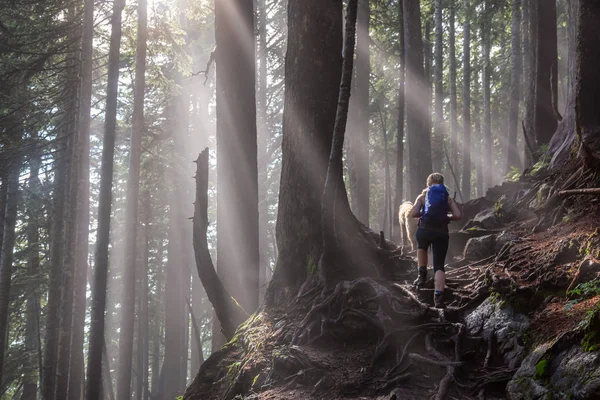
432, 207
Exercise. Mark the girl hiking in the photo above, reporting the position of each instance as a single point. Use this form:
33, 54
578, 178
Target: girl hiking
432, 208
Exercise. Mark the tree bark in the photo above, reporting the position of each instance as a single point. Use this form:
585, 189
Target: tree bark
358, 132
8, 244
314, 33
96, 337
237, 174
419, 141
529, 50
230, 314
76, 363
131, 211
439, 131
31, 365
513, 159
546, 72
466, 141
399, 195
487, 110
453, 89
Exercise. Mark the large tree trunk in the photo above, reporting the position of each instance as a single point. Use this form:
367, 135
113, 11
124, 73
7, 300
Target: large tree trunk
581, 122
358, 132
439, 131
237, 174
399, 195
529, 51
419, 140
546, 72
8, 244
96, 338
314, 33
453, 90
76, 363
512, 154
466, 141
131, 212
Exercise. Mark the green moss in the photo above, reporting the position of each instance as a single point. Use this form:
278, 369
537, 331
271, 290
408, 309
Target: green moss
541, 368
311, 267
590, 342
513, 175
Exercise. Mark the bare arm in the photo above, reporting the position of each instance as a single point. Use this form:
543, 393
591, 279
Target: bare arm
415, 212
456, 214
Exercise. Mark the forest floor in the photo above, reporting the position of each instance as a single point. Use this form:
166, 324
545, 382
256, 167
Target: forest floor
428, 353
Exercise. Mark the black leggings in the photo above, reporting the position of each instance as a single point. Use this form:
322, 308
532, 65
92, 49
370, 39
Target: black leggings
439, 246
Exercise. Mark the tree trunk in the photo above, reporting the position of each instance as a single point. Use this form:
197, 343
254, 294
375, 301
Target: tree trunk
3, 191
358, 132
157, 305
453, 90
237, 174
76, 366
546, 72
487, 110
96, 337
57, 262
31, 365
314, 32
131, 212
419, 141
478, 147
8, 244
428, 68
230, 313
439, 131
529, 50
197, 356
262, 144
466, 141
399, 195
513, 159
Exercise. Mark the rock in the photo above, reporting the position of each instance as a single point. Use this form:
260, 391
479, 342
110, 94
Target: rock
570, 374
480, 248
492, 317
542, 195
469, 210
588, 270
503, 238
458, 241
486, 219
509, 189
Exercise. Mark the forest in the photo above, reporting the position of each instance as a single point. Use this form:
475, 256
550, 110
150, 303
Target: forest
203, 199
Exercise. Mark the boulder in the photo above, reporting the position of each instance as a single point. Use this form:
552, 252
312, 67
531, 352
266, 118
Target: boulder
486, 219
494, 317
480, 247
504, 238
549, 373
458, 241
588, 270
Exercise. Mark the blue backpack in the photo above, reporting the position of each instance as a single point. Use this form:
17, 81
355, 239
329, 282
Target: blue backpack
435, 210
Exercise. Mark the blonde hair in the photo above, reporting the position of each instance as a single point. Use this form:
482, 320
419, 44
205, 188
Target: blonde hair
434, 179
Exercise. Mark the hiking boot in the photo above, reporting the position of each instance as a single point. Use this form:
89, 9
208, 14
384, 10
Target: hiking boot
422, 278
438, 300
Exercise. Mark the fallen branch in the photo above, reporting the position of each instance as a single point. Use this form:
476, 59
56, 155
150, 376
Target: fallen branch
579, 191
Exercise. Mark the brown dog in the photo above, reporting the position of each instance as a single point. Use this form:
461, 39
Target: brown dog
408, 225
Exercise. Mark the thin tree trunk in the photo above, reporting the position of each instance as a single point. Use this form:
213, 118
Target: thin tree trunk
8, 244
57, 260
419, 141
30, 365
466, 141
453, 89
76, 367
439, 131
262, 144
157, 320
487, 111
513, 159
478, 147
131, 212
197, 356
358, 128
96, 337
399, 195
3, 191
